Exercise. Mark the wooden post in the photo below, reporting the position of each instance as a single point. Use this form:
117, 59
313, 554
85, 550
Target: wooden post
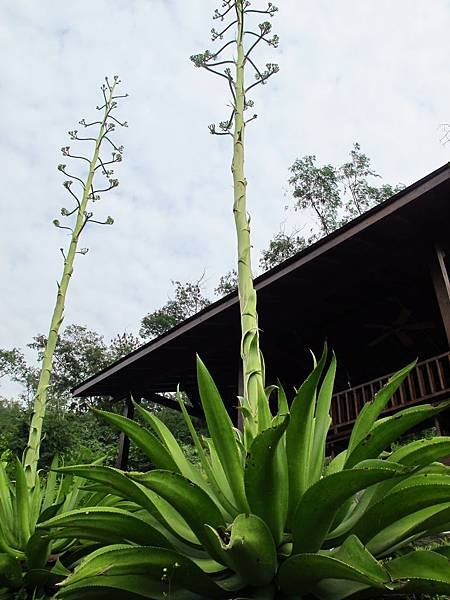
124, 442
441, 286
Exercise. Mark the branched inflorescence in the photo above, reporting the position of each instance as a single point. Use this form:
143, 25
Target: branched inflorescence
218, 64
91, 188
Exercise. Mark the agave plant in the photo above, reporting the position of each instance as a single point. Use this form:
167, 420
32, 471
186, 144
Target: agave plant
265, 518
29, 560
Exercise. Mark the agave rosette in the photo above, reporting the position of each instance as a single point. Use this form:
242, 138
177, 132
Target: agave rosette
261, 516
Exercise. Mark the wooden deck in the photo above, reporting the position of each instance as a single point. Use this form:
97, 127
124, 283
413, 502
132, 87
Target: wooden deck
428, 382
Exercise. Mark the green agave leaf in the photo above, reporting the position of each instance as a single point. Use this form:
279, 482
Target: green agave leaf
50, 486
283, 406
423, 570
38, 550
123, 587
322, 421
172, 520
40, 577
184, 466
316, 510
10, 572
221, 430
8, 538
337, 464
299, 435
422, 521
35, 496
266, 478
370, 497
409, 496
372, 410
302, 572
6, 508
115, 482
145, 440
84, 535
158, 564
248, 548
387, 430
341, 527
341, 589
219, 475
49, 512
193, 503
22, 507
212, 475
422, 452
263, 412
97, 522
9, 549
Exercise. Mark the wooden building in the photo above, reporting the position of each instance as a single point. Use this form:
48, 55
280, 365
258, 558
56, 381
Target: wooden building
377, 289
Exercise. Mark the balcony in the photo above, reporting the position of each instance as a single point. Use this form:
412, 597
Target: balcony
428, 382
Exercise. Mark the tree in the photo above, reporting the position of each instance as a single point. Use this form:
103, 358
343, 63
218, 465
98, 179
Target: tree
79, 353
337, 195
316, 188
281, 247
14, 365
90, 192
188, 300
359, 194
227, 283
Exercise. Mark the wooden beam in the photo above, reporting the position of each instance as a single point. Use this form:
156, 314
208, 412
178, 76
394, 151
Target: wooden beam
124, 442
194, 411
441, 286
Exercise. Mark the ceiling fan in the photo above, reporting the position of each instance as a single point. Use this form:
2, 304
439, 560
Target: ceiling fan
400, 329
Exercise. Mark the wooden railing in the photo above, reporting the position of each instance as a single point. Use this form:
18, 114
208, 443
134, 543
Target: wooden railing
429, 381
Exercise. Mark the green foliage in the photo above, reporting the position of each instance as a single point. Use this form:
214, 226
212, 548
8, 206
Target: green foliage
78, 437
188, 300
260, 523
30, 563
227, 283
79, 353
359, 194
336, 195
281, 247
316, 188
82, 437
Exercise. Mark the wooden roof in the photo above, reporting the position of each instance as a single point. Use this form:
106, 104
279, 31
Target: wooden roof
367, 270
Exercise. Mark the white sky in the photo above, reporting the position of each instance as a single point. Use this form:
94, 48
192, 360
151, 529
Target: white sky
376, 72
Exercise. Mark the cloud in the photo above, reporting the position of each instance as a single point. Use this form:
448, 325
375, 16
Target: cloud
376, 73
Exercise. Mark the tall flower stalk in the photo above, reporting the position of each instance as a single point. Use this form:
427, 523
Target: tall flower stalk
79, 210
253, 402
